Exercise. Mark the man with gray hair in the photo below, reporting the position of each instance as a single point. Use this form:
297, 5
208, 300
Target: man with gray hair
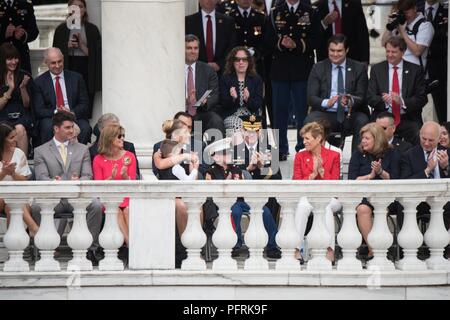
102, 122
59, 89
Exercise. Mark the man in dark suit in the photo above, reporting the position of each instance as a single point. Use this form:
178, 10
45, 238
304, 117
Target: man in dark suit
215, 31
398, 86
436, 13
59, 89
337, 88
200, 77
105, 120
62, 159
386, 121
18, 27
291, 32
346, 17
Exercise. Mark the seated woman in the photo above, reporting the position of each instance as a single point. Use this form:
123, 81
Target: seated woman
375, 159
114, 163
315, 162
241, 88
15, 86
444, 139
14, 167
183, 171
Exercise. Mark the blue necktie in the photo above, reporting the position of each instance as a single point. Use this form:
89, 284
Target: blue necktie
340, 117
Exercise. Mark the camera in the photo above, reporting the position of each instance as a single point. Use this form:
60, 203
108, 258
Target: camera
398, 18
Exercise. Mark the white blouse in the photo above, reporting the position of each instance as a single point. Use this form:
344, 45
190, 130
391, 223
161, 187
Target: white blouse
22, 167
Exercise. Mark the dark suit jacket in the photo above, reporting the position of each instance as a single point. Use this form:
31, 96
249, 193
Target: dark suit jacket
44, 97
401, 145
413, 89
242, 150
128, 146
225, 36
94, 44
206, 79
360, 164
413, 164
354, 26
319, 84
254, 85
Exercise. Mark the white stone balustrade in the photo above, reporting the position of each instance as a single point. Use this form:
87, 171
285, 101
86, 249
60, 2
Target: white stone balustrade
16, 239
436, 237
224, 238
319, 239
111, 238
349, 237
79, 237
410, 238
287, 238
47, 238
256, 237
380, 238
193, 237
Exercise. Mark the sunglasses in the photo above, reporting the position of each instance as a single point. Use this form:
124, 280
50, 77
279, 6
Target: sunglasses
120, 136
238, 59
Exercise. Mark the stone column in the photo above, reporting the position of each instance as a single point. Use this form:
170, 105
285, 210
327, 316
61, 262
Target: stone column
448, 78
143, 67
190, 6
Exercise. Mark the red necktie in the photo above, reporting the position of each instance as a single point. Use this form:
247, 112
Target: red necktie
396, 89
190, 88
59, 94
337, 22
209, 40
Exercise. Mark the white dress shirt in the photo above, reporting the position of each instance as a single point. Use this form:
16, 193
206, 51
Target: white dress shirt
63, 87
295, 6
213, 20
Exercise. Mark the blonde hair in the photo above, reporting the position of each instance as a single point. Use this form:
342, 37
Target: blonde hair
107, 136
381, 143
314, 128
172, 126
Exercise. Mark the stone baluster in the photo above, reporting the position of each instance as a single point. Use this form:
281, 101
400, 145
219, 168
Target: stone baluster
410, 238
287, 238
47, 238
436, 237
319, 239
224, 238
111, 238
193, 237
349, 237
15, 238
380, 237
256, 237
79, 238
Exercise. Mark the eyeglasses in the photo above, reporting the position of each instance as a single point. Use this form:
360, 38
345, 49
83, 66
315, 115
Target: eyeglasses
238, 59
120, 136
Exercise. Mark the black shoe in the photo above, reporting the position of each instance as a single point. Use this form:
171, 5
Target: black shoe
90, 255
273, 253
283, 157
123, 254
235, 252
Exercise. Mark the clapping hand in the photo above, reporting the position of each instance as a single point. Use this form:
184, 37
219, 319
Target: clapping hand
288, 42
113, 172
431, 162
396, 97
442, 158
332, 101
246, 94
386, 98
9, 168
331, 17
233, 93
124, 173
10, 31
19, 32
10, 80
26, 79
376, 167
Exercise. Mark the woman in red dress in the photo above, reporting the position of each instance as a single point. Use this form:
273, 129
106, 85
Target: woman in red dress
115, 163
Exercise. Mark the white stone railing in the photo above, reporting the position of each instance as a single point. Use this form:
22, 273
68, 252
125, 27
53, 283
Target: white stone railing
152, 223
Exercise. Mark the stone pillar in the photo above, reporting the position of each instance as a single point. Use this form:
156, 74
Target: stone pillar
190, 7
448, 78
143, 67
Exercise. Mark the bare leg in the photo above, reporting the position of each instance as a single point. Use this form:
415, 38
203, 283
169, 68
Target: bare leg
330, 254
122, 225
364, 218
29, 221
180, 215
22, 138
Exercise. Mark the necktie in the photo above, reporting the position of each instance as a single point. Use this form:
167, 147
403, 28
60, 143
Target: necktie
337, 22
431, 175
340, 116
396, 89
245, 14
63, 152
190, 88
209, 40
9, 3
430, 14
292, 10
59, 94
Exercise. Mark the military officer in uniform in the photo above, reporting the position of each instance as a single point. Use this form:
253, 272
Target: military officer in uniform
292, 32
18, 27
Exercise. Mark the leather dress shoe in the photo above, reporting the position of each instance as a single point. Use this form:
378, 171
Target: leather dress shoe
235, 252
93, 257
273, 253
283, 157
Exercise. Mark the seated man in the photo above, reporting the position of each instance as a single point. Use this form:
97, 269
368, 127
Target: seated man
64, 159
59, 89
222, 169
398, 86
103, 121
337, 89
386, 120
